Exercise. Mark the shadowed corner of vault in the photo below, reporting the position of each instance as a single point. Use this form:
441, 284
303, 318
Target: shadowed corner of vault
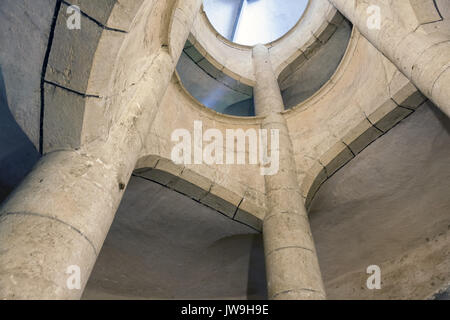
256, 283
17, 153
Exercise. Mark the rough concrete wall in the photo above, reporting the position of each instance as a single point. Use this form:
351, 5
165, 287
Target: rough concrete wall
163, 245
389, 207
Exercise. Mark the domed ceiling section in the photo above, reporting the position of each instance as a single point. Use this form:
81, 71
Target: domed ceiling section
249, 22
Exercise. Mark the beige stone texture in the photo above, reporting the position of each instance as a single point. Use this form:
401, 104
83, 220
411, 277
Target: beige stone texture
388, 115
422, 58
339, 121
335, 158
291, 262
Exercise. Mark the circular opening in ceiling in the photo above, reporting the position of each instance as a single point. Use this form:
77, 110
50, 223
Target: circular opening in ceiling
249, 22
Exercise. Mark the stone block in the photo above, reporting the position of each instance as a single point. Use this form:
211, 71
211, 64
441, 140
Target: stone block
191, 184
361, 136
165, 172
193, 53
409, 97
123, 14
388, 115
425, 10
72, 53
169, 167
335, 158
209, 68
311, 47
249, 213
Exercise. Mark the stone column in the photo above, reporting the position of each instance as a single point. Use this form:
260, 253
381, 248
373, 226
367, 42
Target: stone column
423, 58
56, 221
292, 266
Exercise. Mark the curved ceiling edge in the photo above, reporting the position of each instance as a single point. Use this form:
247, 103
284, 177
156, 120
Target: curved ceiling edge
236, 60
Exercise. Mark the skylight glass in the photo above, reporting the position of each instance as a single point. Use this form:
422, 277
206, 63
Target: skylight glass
249, 22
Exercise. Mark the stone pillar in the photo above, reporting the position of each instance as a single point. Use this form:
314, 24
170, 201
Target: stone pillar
292, 266
56, 221
422, 58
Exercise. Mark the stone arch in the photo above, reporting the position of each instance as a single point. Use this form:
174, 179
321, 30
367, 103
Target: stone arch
201, 189
87, 68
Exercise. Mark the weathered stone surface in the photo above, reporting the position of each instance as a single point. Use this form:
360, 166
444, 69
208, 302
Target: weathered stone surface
72, 53
409, 97
421, 57
248, 214
361, 136
100, 10
389, 207
426, 11
80, 189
